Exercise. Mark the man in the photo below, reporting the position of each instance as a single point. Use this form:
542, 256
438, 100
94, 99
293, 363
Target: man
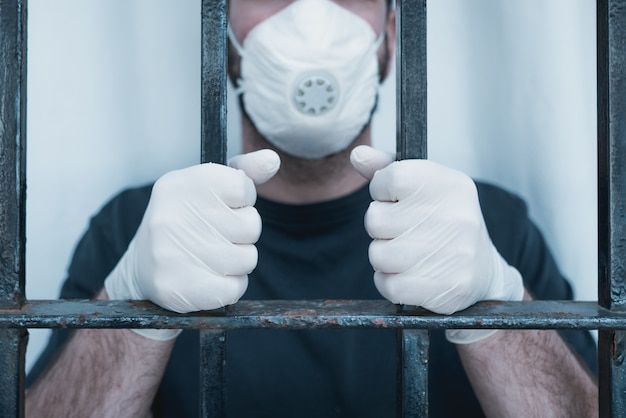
307, 72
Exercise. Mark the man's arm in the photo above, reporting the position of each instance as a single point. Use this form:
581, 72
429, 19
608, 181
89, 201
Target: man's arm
507, 369
431, 248
192, 252
103, 373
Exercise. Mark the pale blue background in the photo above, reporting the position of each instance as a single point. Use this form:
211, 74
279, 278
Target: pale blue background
114, 102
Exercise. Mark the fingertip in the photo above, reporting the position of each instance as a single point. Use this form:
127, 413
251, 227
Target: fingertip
260, 165
268, 165
367, 160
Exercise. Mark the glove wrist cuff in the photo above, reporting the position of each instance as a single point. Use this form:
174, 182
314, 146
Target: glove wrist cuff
119, 286
158, 334
511, 289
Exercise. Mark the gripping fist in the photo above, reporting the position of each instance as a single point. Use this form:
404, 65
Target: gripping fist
431, 247
195, 246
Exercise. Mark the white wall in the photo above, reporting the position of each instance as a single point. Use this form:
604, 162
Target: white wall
114, 102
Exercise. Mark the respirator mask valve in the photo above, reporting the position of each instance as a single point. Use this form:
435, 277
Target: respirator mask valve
315, 93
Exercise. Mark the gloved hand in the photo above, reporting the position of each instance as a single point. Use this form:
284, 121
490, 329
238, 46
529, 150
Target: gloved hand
431, 247
195, 245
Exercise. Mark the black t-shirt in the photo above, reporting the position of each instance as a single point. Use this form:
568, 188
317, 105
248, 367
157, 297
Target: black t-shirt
314, 251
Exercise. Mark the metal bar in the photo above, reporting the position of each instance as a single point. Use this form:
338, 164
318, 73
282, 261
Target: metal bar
611, 73
612, 378
12, 359
411, 84
413, 373
312, 314
12, 151
611, 49
12, 199
411, 128
214, 78
213, 149
212, 362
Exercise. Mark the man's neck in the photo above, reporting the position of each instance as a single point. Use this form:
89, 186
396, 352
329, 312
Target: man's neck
307, 181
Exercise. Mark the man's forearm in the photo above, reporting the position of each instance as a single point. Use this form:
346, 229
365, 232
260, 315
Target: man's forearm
104, 373
529, 373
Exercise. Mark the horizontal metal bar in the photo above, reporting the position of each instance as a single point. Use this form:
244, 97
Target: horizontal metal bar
312, 314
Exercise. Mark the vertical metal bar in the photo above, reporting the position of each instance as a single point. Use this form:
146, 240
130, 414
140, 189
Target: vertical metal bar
12, 198
212, 382
413, 373
214, 78
611, 73
12, 151
411, 127
611, 27
12, 377
612, 347
411, 84
213, 149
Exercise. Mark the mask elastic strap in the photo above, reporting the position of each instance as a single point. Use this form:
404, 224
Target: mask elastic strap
234, 41
239, 48
379, 40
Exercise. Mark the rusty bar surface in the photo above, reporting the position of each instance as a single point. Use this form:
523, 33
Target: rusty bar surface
611, 72
612, 346
12, 199
311, 314
413, 346
611, 90
12, 359
212, 365
213, 149
214, 79
411, 142
12, 151
411, 83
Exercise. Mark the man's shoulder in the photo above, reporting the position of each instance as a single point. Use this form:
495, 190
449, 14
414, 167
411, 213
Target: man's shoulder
120, 216
502, 209
506, 218
131, 197
127, 202
496, 198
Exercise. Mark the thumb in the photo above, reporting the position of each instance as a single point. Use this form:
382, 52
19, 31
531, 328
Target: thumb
367, 160
260, 165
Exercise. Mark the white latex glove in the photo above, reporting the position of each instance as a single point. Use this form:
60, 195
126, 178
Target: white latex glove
431, 247
194, 247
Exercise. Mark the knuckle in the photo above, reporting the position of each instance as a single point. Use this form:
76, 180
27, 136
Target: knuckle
163, 183
371, 220
247, 257
377, 220
238, 287
387, 287
400, 179
377, 255
250, 223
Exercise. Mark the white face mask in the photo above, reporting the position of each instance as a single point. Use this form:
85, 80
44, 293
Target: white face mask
310, 77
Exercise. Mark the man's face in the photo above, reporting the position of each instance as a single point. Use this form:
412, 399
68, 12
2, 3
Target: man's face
246, 14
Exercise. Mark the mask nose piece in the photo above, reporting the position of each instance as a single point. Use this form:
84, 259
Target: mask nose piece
315, 93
